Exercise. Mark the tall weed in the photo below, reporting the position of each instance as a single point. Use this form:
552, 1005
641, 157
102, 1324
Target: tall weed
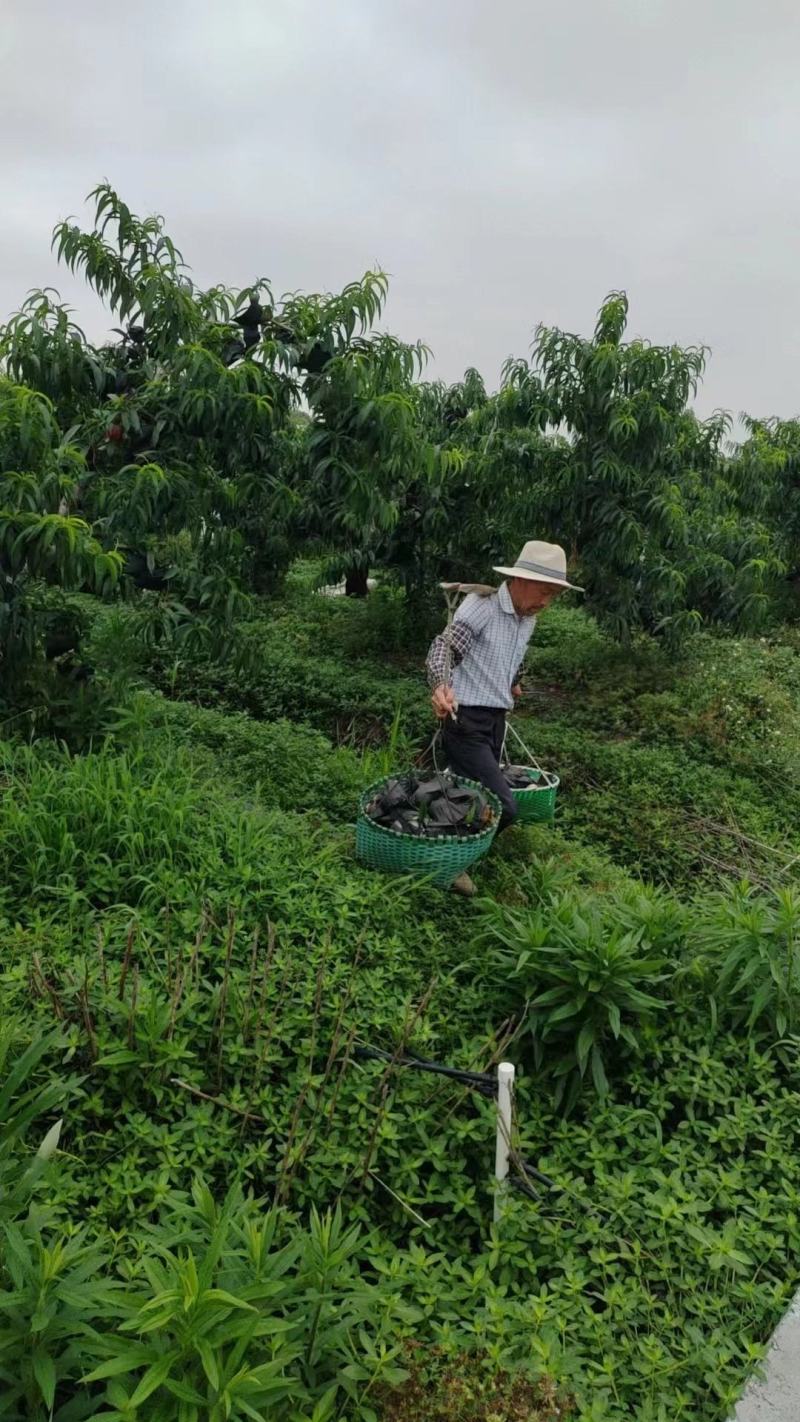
749, 947
585, 980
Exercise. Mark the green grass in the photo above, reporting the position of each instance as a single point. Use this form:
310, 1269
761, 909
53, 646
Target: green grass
183, 919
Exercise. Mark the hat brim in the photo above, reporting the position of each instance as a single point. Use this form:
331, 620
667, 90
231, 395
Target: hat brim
537, 578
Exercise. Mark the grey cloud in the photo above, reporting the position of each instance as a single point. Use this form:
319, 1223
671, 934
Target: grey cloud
506, 163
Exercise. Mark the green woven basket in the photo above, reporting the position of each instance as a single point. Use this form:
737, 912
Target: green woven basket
439, 860
537, 801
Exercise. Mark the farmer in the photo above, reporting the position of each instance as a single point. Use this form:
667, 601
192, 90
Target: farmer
485, 645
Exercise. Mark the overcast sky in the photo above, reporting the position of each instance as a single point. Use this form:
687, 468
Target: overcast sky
506, 161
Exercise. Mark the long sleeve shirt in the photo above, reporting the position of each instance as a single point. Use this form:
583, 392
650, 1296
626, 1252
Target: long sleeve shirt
484, 647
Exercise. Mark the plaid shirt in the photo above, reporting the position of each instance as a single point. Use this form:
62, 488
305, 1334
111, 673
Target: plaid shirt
486, 641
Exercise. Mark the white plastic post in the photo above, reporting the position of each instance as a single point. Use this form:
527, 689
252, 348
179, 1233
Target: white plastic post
505, 1091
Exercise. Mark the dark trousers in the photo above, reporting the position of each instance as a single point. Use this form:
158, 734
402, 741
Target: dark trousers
472, 745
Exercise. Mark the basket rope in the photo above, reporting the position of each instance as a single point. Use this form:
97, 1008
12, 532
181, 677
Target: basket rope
531, 757
451, 598
534, 802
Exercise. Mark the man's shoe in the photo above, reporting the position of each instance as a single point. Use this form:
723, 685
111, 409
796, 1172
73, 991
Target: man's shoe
463, 885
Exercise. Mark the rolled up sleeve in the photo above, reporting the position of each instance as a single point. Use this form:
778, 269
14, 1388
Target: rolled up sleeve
455, 640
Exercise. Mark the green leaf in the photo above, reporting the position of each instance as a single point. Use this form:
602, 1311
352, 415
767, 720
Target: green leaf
206, 1355
761, 997
598, 1073
120, 1056
127, 1362
181, 1389
49, 1145
323, 1410
44, 1371
355, 1371
585, 1042
154, 1378
223, 1297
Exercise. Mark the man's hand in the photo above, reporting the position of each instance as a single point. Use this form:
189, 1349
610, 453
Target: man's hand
443, 701
516, 691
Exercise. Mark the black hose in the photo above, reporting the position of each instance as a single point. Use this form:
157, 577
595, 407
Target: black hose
480, 1081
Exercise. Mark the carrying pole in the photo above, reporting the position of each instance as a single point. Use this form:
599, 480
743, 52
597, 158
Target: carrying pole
505, 1091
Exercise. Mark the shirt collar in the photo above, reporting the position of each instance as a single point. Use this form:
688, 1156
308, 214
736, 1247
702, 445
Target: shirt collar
506, 605
504, 599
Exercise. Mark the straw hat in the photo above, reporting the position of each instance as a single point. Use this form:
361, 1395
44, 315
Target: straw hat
542, 563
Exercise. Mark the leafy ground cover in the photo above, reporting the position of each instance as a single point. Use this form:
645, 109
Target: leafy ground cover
221, 1194
193, 964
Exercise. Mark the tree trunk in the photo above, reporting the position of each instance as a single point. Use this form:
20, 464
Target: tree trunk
355, 584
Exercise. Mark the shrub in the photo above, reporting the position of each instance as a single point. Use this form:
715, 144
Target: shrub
290, 767
749, 946
26, 1096
585, 981
277, 679
241, 1318
631, 1262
